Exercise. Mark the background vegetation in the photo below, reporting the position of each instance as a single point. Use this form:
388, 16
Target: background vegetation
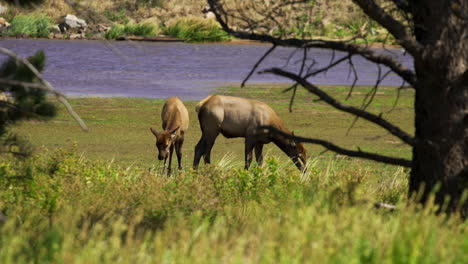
99, 196
34, 25
184, 18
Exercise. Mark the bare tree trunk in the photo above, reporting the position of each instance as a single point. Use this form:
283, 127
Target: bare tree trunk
440, 157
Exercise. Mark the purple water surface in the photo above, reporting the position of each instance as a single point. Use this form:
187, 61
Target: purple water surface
190, 71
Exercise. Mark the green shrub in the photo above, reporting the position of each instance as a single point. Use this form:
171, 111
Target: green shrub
197, 29
30, 25
117, 30
139, 29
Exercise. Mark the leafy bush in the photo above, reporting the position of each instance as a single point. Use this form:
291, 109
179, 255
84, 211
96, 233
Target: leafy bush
197, 29
29, 25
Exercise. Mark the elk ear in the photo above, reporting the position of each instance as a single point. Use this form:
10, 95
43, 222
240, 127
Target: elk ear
154, 131
174, 131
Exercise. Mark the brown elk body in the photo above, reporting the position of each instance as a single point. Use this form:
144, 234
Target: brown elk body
175, 122
239, 117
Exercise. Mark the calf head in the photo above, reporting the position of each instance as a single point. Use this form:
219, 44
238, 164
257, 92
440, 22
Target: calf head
298, 154
164, 140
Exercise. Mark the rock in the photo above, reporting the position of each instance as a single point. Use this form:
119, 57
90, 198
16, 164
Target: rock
99, 28
208, 13
55, 29
76, 36
4, 23
72, 22
3, 9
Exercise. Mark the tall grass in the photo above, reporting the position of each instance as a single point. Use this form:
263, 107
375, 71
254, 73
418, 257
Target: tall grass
117, 31
64, 208
197, 29
29, 25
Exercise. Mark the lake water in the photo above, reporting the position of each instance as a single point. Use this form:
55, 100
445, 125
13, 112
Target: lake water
190, 71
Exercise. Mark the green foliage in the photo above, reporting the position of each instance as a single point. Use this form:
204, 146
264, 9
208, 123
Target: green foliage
62, 207
139, 29
30, 25
117, 31
196, 29
21, 103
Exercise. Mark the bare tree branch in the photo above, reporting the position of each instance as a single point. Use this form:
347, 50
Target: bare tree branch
378, 120
270, 50
340, 150
353, 49
23, 84
46, 86
407, 40
371, 55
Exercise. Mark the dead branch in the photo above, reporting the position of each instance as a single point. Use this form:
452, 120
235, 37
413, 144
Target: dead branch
378, 120
46, 86
353, 49
375, 12
340, 150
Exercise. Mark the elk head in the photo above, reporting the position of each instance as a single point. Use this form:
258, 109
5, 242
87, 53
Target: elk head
298, 154
164, 141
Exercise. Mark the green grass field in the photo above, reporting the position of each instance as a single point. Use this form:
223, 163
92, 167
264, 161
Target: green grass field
98, 197
119, 127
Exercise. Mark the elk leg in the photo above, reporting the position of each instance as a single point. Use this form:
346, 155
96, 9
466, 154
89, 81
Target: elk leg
169, 167
179, 144
259, 154
199, 152
210, 140
249, 145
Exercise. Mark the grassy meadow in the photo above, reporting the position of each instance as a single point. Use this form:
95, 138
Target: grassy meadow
99, 197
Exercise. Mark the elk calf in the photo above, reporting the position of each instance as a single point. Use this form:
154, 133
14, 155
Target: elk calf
239, 117
175, 121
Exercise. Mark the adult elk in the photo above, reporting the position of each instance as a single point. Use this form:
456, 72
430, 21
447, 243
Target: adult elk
239, 117
175, 121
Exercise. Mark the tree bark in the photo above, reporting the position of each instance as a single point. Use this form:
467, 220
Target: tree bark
440, 156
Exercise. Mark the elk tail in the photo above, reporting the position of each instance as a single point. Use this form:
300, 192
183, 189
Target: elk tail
201, 103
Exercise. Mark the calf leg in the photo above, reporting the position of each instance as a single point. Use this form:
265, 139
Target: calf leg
178, 147
169, 168
164, 166
259, 154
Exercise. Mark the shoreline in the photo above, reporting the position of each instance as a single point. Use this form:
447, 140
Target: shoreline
167, 39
